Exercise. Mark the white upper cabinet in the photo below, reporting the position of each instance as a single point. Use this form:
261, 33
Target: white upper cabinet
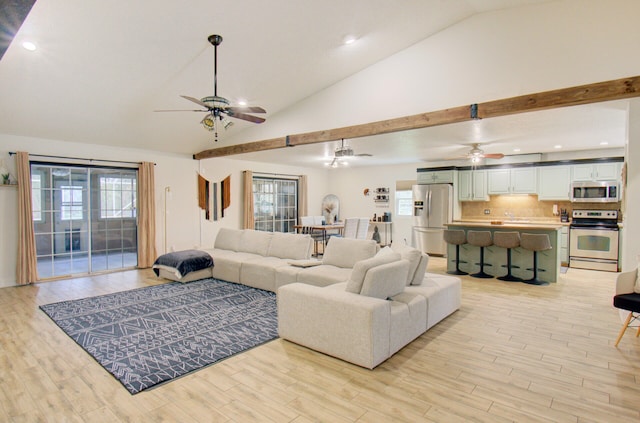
512, 181
596, 172
554, 182
472, 185
436, 177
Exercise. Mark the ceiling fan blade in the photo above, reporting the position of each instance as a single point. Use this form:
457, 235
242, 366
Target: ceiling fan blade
244, 116
195, 100
248, 109
181, 110
494, 156
364, 155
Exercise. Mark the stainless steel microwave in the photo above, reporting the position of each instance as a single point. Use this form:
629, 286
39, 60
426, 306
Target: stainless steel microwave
595, 192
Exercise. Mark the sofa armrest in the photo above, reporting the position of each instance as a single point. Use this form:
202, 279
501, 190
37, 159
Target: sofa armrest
626, 281
348, 326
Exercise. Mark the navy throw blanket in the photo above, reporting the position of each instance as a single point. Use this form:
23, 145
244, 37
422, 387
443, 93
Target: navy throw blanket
183, 261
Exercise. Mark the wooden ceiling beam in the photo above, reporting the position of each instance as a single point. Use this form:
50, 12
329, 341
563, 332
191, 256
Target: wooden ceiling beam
617, 89
422, 120
249, 147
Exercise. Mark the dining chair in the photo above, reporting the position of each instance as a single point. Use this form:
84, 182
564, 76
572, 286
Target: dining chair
307, 223
350, 229
363, 227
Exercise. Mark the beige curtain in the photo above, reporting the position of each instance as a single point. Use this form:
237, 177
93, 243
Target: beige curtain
247, 184
27, 269
146, 216
303, 207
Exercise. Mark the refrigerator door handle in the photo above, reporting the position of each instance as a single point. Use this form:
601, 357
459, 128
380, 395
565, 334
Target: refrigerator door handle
429, 204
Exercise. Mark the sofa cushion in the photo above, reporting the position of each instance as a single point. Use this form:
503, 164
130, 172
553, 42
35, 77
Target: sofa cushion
411, 254
421, 270
323, 275
386, 280
360, 269
346, 252
228, 239
290, 246
255, 242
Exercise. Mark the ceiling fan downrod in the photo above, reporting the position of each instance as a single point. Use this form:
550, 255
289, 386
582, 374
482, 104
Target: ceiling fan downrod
215, 40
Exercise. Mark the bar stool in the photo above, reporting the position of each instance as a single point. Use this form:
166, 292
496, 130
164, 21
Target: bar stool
480, 239
535, 243
456, 237
508, 240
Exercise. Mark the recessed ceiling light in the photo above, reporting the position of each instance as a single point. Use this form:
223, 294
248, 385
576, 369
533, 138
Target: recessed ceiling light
557, 146
349, 39
604, 143
28, 45
516, 150
242, 102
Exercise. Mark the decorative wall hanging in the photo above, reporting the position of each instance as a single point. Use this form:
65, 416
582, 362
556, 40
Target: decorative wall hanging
225, 193
203, 196
215, 201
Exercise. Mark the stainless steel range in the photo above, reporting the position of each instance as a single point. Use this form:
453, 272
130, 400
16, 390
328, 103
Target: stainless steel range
593, 240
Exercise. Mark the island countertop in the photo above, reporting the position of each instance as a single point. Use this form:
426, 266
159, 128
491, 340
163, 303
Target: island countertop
548, 261
506, 224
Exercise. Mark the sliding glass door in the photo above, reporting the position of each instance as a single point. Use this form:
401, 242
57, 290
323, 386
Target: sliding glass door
275, 204
84, 219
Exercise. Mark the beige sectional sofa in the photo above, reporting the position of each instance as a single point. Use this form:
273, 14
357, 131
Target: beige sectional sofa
359, 303
388, 301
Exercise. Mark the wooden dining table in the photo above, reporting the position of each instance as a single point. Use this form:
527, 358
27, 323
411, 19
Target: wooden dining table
324, 229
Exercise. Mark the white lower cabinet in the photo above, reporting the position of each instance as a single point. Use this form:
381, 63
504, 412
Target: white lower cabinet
564, 245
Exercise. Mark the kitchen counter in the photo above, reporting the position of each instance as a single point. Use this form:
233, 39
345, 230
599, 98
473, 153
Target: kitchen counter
510, 224
548, 261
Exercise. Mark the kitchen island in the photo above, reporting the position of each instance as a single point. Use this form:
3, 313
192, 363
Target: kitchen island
548, 261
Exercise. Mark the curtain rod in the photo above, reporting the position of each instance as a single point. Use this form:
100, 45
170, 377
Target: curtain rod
11, 153
276, 174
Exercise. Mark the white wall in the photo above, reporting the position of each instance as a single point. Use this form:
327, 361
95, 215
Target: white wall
349, 185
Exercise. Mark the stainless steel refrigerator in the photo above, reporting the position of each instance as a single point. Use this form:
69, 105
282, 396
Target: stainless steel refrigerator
432, 209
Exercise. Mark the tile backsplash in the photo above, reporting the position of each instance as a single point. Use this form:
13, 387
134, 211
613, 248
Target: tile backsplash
524, 206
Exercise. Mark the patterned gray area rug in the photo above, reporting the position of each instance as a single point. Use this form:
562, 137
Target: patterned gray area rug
151, 335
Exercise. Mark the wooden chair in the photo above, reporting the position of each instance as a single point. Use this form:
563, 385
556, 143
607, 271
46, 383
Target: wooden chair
627, 299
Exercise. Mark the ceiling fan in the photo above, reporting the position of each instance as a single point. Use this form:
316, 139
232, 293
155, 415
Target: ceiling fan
344, 151
476, 154
219, 108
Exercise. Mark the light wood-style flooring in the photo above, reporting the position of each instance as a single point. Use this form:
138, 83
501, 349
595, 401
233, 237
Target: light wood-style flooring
512, 353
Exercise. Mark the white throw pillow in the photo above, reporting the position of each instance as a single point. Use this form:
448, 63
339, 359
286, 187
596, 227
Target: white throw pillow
418, 276
412, 255
386, 280
636, 288
360, 269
